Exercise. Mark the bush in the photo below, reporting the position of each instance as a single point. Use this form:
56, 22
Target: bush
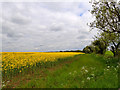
108, 54
88, 49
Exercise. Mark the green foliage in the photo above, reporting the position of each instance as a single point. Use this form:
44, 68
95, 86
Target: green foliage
107, 16
108, 54
96, 49
103, 40
88, 49
100, 46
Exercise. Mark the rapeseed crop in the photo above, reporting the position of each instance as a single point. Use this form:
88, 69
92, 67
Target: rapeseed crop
17, 62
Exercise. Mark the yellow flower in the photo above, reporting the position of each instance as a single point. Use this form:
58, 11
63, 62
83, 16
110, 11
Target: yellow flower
11, 60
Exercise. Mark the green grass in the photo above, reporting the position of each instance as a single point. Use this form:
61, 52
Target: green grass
81, 71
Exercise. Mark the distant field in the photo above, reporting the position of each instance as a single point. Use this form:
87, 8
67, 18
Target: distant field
60, 70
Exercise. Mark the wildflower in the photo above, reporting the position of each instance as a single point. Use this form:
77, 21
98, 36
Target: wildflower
117, 66
108, 66
86, 70
3, 85
83, 67
88, 78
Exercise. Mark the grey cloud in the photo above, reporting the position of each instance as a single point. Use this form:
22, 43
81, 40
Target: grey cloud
82, 37
39, 45
84, 32
19, 19
13, 35
10, 31
45, 26
56, 27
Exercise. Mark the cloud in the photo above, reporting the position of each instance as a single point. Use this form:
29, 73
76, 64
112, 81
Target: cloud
45, 26
10, 31
20, 19
82, 37
57, 26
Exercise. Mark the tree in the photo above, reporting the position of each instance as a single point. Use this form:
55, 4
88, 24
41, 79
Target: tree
100, 46
115, 41
88, 49
109, 39
103, 37
107, 19
107, 16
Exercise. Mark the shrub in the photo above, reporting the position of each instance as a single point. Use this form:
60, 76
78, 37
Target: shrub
108, 54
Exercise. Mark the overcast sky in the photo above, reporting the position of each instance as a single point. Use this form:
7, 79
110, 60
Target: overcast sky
48, 26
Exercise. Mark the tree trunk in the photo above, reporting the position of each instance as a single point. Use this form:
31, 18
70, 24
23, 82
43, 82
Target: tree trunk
116, 47
113, 50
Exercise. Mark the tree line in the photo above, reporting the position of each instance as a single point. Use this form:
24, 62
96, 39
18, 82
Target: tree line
107, 22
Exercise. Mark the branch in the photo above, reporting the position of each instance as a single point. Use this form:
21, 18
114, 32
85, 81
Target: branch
117, 45
118, 14
114, 43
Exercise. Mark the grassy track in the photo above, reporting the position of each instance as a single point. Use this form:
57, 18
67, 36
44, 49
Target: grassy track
81, 71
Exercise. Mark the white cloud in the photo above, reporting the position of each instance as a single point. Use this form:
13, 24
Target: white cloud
45, 26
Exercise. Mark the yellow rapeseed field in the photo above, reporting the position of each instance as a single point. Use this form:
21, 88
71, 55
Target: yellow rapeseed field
20, 60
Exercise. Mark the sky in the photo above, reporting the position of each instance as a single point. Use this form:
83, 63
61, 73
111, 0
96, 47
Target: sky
45, 26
